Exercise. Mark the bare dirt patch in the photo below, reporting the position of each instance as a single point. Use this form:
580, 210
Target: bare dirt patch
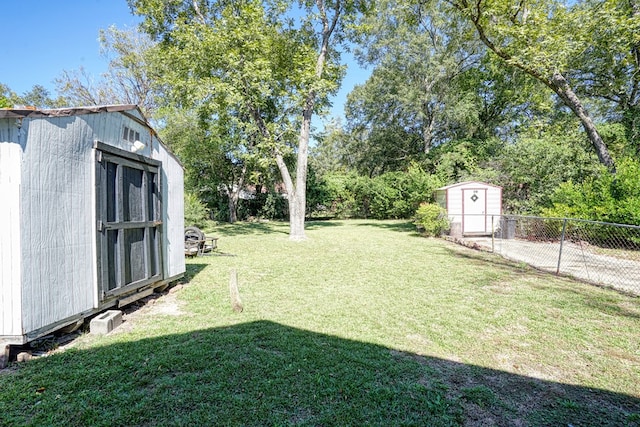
165, 303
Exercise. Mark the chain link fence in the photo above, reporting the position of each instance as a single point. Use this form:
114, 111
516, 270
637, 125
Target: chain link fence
596, 252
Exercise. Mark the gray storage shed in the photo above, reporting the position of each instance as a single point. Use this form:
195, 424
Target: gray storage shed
471, 207
92, 216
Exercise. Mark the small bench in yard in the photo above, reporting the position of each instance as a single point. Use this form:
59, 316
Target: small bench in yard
196, 243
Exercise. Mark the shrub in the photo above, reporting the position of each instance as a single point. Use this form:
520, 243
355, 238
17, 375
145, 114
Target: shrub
602, 197
195, 212
390, 195
431, 219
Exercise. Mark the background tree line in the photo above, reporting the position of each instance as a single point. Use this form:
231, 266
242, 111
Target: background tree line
540, 97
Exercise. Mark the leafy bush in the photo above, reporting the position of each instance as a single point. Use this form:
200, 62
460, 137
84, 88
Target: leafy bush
431, 219
390, 195
333, 195
603, 197
530, 169
195, 212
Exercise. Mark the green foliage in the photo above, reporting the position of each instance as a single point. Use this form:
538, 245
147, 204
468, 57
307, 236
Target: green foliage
397, 194
269, 205
431, 219
455, 161
195, 212
602, 197
609, 68
530, 170
335, 196
390, 195
38, 96
128, 80
541, 38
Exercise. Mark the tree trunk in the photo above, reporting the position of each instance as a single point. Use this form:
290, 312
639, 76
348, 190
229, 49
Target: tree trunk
298, 194
561, 87
427, 134
557, 82
297, 208
234, 194
234, 197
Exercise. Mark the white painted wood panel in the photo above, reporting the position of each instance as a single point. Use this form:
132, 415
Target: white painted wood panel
56, 221
172, 211
47, 216
10, 274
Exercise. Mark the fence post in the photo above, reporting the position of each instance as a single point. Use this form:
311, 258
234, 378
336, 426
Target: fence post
564, 228
493, 232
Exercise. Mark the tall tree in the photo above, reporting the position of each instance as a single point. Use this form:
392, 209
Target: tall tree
38, 96
538, 37
215, 164
127, 80
433, 83
415, 82
609, 68
250, 69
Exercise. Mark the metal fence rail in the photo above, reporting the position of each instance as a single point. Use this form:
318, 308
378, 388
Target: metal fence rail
596, 252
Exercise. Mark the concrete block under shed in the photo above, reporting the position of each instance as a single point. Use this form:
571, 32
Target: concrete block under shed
106, 322
456, 230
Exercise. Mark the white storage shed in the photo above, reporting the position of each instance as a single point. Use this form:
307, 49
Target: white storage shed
471, 207
92, 216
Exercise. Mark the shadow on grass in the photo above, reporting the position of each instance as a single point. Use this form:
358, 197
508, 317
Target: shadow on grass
479, 255
263, 373
400, 226
249, 228
316, 224
192, 270
255, 228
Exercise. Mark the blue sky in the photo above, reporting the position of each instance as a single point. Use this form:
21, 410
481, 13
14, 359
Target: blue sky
41, 38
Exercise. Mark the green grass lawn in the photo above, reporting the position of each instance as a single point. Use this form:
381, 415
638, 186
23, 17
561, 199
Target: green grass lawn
365, 323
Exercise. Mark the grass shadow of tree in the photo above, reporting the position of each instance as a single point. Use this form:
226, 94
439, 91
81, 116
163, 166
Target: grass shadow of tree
263, 373
249, 228
399, 226
192, 270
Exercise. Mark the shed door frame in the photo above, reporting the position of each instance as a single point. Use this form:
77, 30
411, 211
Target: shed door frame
129, 221
474, 220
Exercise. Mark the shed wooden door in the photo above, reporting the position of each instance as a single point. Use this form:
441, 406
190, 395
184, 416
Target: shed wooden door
129, 225
474, 210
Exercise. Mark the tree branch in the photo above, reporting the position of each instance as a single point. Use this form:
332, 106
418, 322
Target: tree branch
199, 14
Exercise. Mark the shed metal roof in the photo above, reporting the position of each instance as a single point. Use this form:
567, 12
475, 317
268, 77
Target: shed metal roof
22, 113
459, 184
18, 113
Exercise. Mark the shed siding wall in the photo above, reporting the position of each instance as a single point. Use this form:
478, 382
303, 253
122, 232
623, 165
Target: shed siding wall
454, 205
48, 219
172, 211
109, 127
57, 221
494, 201
10, 279
453, 195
